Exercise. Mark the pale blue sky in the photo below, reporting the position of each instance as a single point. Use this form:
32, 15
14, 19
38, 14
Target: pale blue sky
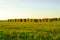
29, 9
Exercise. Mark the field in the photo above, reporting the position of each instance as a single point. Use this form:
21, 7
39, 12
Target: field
30, 30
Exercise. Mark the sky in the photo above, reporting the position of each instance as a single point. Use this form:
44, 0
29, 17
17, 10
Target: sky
10, 9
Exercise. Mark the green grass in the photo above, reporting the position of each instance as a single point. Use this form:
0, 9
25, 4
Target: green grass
30, 30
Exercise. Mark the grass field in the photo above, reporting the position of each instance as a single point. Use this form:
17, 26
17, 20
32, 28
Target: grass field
30, 30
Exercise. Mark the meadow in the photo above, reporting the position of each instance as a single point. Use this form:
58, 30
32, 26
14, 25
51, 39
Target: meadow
30, 30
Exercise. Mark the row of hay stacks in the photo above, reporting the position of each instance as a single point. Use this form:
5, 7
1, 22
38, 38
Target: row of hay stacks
29, 20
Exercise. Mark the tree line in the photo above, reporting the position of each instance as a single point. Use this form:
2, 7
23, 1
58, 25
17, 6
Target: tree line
55, 19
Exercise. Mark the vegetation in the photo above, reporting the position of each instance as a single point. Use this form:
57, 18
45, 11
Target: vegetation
30, 30
55, 19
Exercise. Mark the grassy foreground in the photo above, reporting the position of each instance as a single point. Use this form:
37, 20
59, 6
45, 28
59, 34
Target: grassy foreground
30, 30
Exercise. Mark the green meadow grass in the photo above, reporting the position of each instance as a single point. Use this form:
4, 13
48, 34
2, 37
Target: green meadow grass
30, 30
